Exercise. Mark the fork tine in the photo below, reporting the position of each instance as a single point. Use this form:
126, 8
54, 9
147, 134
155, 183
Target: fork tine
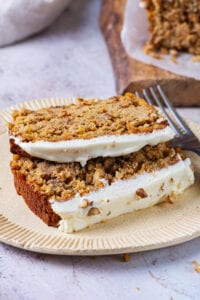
173, 111
137, 94
147, 97
178, 132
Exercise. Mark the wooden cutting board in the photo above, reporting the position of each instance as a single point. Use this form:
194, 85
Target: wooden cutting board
132, 75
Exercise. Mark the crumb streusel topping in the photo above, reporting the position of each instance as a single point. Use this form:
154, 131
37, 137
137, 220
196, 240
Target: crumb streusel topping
87, 119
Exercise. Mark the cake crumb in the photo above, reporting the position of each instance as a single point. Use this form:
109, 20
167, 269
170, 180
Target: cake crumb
93, 257
196, 58
196, 266
138, 289
126, 257
155, 55
164, 50
142, 4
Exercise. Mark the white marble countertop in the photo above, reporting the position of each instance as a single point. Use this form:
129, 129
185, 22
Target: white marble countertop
70, 59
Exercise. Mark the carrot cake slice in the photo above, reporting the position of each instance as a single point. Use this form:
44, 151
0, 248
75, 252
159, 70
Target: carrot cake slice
91, 128
173, 25
73, 197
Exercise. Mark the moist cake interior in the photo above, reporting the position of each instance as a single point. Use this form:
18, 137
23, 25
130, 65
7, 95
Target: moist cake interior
87, 119
63, 181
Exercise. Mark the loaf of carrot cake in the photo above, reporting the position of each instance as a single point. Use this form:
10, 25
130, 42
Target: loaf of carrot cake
74, 197
174, 25
88, 129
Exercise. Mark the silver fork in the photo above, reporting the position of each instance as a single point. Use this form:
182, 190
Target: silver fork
184, 138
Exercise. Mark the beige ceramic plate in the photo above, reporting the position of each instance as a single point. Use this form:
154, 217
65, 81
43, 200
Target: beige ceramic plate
160, 226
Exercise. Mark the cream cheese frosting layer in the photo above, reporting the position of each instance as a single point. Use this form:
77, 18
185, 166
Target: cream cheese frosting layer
122, 196
81, 150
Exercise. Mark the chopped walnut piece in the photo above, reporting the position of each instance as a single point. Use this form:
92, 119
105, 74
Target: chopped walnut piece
84, 204
162, 186
141, 193
196, 266
169, 200
93, 211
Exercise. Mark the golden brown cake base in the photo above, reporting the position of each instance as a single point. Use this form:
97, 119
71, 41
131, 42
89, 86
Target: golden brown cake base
35, 200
